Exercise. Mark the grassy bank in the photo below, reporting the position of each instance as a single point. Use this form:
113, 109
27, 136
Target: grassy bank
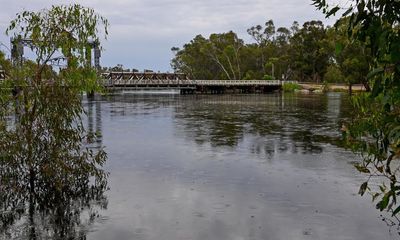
291, 87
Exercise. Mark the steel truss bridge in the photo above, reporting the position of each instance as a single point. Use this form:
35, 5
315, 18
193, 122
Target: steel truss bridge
151, 80
160, 81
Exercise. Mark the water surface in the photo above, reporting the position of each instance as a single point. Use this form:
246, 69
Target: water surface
230, 167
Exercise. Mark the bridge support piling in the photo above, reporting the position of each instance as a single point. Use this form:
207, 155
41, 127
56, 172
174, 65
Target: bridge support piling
186, 91
253, 89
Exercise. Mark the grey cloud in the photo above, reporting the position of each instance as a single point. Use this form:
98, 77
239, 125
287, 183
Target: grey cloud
142, 32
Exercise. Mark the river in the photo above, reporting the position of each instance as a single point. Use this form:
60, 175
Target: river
230, 167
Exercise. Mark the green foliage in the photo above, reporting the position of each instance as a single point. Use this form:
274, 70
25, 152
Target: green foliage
310, 52
48, 168
352, 55
217, 57
267, 77
290, 87
250, 75
225, 56
375, 129
303, 53
5, 64
333, 75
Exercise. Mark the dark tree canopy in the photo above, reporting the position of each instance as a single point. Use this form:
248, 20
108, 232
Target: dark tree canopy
303, 53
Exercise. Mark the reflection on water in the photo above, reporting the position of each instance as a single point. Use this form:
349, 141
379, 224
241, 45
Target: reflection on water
224, 121
94, 125
231, 167
53, 211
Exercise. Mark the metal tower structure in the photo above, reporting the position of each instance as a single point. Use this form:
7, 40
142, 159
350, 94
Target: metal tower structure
17, 49
18, 43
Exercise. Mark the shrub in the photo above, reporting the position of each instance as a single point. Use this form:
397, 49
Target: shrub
290, 87
268, 77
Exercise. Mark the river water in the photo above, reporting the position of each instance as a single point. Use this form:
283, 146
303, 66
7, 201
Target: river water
230, 167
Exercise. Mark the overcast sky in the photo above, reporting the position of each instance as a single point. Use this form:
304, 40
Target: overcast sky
142, 32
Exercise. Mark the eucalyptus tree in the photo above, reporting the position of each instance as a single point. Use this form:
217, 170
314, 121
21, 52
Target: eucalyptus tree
264, 37
309, 51
216, 57
48, 169
375, 130
224, 49
351, 56
193, 61
280, 58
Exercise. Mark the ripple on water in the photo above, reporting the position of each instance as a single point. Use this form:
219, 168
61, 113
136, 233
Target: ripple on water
220, 207
198, 214
140, 233
260, 162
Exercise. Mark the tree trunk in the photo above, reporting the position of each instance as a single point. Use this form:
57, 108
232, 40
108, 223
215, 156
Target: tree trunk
32, 231
366, 85
90, 94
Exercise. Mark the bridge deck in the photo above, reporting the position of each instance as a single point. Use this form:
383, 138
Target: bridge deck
190, 83
151, 80
238, 82
175, 80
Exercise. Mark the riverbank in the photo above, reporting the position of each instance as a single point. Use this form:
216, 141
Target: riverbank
336, 87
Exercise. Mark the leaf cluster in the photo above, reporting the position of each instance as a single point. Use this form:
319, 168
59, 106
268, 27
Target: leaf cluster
375, 129
311, 52
49, 171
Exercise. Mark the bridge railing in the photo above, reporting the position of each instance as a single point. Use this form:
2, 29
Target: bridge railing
290, 81
110, 82
147, 82
144, 75
120, 79
238, 82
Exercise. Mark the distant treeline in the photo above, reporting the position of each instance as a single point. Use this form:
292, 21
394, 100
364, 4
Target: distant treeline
312, 53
